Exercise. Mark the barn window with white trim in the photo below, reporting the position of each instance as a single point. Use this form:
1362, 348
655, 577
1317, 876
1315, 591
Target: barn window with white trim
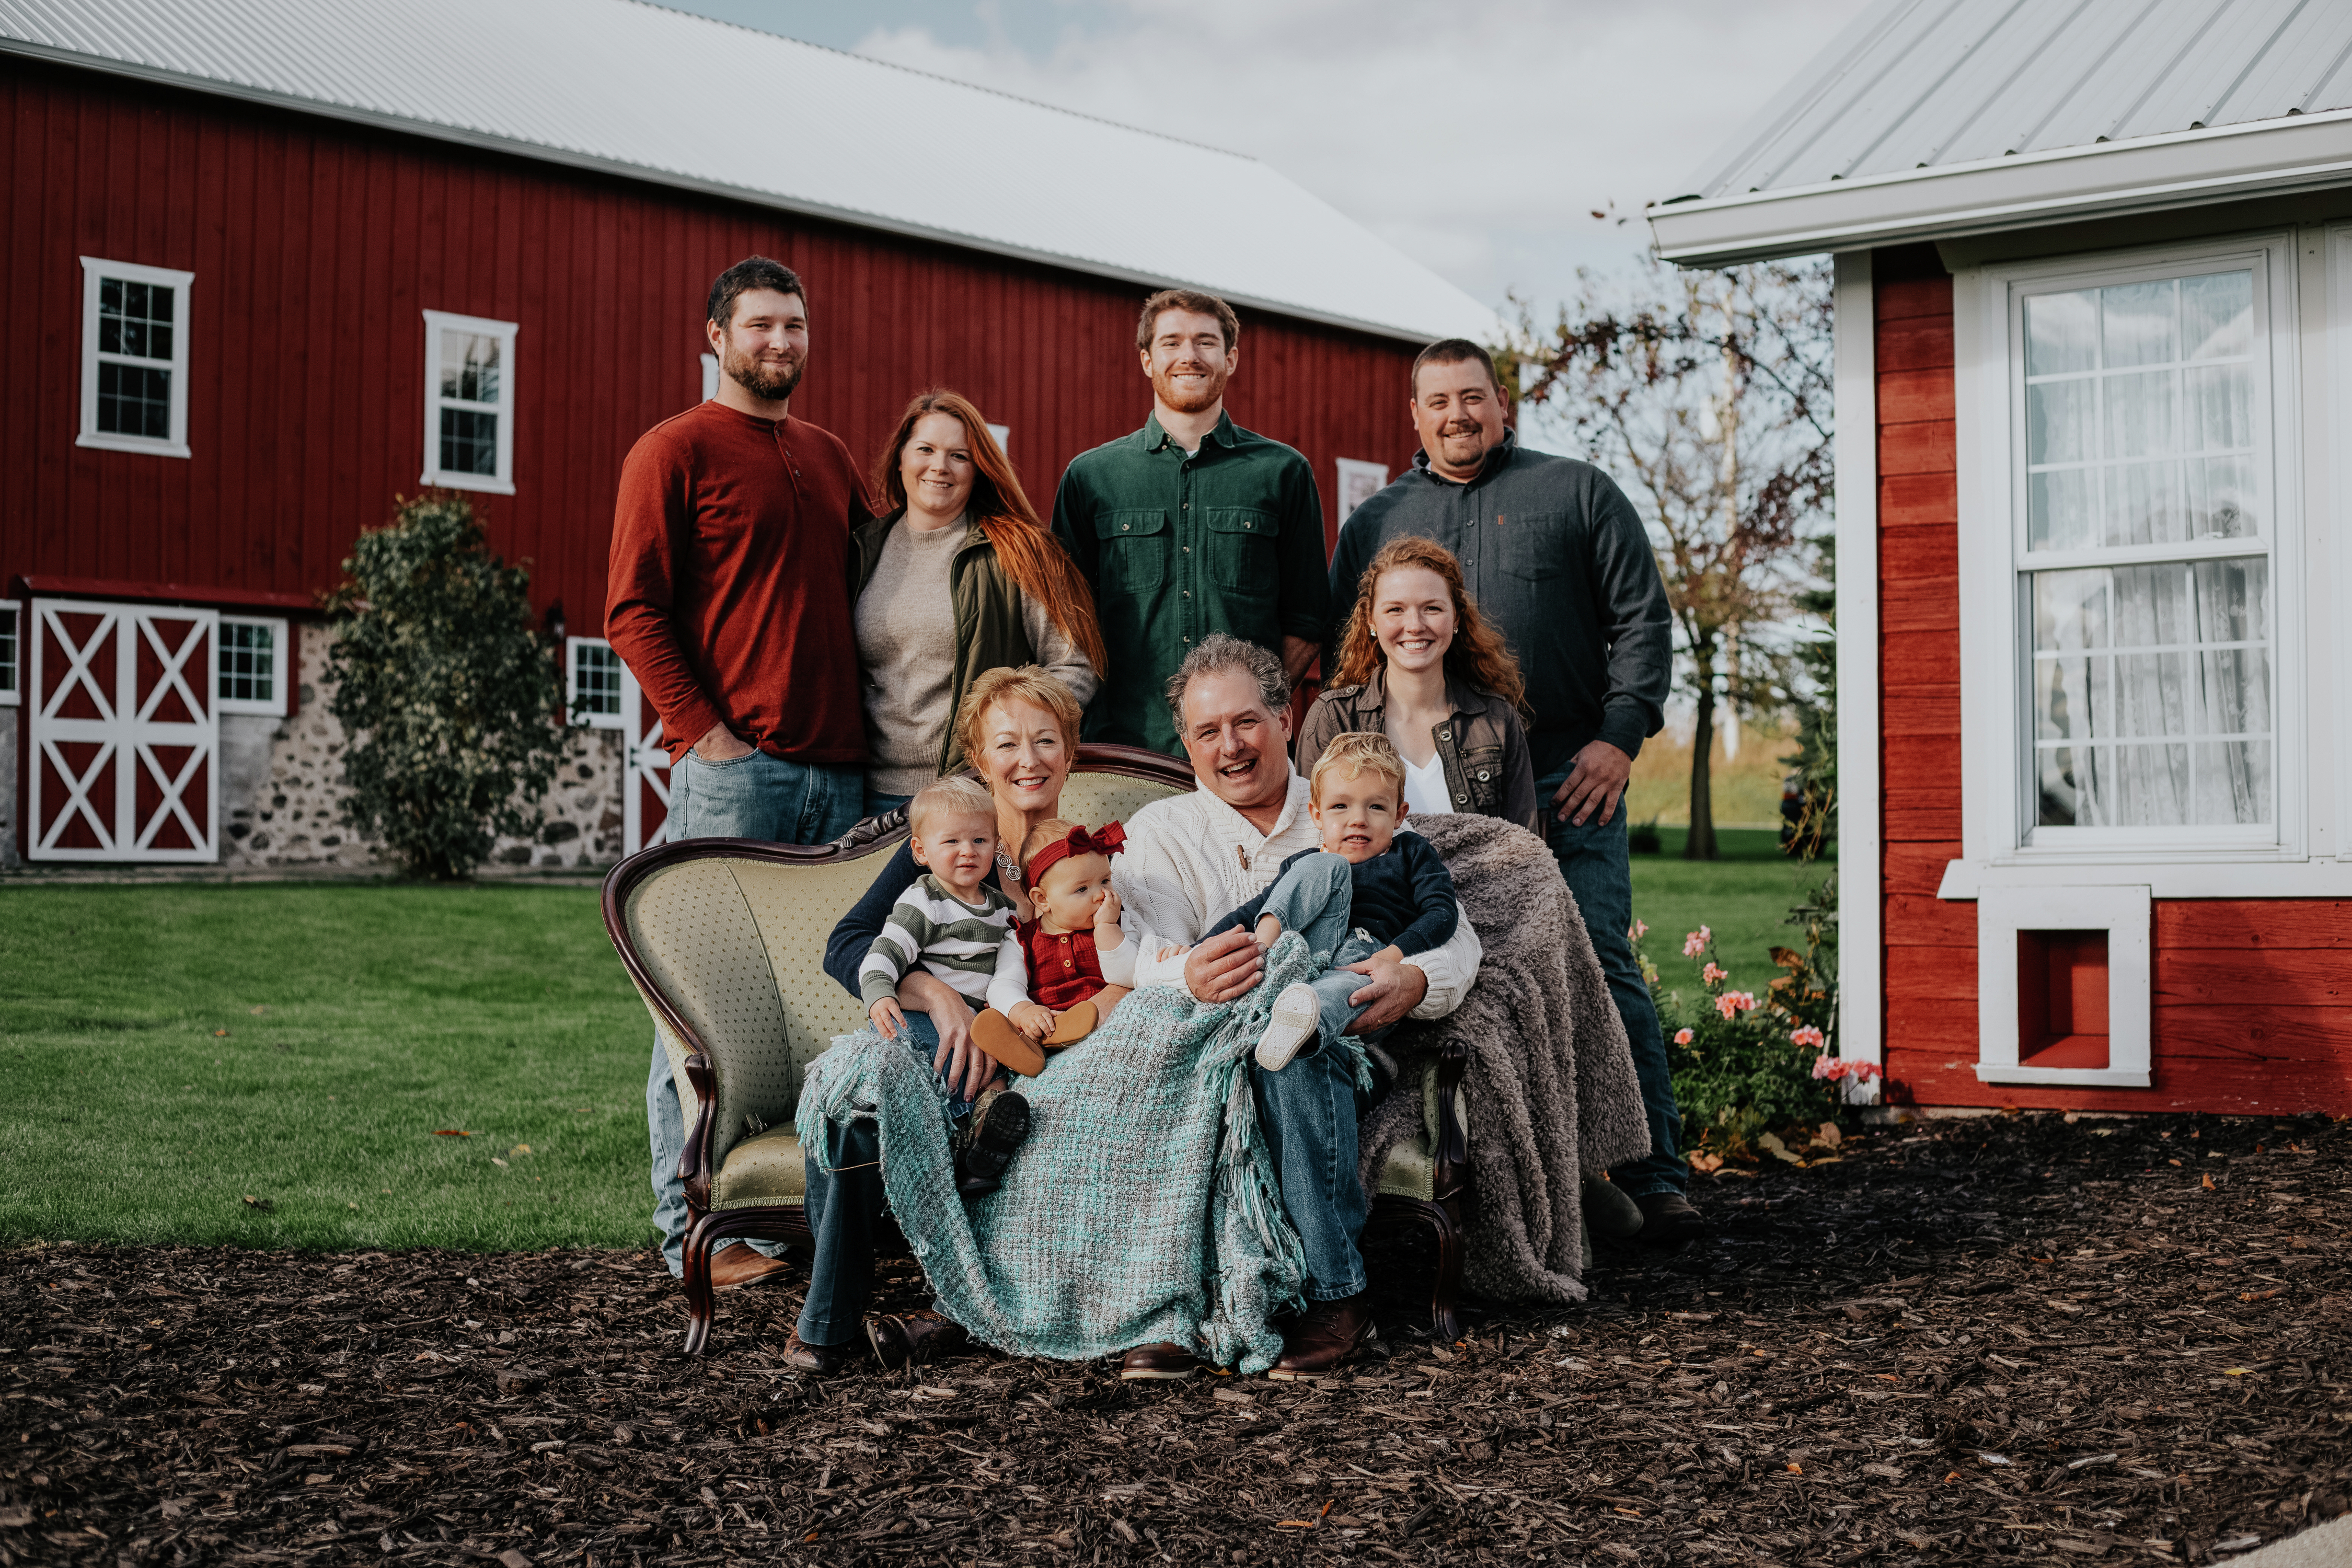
252, 665
593, 694
12, 658
2145, 582
468, 401
134, 369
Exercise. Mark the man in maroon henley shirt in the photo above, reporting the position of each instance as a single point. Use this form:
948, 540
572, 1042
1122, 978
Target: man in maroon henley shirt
728, 599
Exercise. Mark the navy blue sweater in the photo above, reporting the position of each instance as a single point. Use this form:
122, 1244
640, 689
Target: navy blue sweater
1403, 895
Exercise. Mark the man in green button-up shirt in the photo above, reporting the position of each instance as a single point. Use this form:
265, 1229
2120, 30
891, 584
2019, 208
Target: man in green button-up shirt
1190, 526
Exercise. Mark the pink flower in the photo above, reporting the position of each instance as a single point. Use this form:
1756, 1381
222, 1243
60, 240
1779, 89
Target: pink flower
1641, 929
1712, 973
1807, 1036
1828, 1066
1683, 1036
1695, 942
1834, 1068
1731, 1003
1858, 1068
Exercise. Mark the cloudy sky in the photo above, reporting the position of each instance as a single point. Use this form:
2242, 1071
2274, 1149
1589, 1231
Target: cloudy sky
1476, 137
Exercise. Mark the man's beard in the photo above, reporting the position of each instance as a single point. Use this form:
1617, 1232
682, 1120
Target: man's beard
773, 382
1182, 398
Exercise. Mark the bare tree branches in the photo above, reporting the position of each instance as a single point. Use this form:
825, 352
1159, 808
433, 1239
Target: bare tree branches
1708, 397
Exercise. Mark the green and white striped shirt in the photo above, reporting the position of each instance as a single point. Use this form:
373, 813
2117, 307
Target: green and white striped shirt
975, 951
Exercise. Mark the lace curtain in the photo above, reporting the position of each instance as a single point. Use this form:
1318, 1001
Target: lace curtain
2151, 681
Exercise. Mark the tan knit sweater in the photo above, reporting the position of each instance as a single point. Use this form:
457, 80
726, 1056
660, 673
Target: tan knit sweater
906, 655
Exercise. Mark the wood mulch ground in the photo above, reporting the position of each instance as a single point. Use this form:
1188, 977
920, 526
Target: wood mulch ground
1960, 1342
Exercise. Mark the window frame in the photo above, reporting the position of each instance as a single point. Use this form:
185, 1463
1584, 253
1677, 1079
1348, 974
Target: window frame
11, 694
1999, 804
274, 705
93, 270
1345, 469
435, 323
619, 719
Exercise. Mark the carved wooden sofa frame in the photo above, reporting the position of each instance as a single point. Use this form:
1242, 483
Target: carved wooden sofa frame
724, 940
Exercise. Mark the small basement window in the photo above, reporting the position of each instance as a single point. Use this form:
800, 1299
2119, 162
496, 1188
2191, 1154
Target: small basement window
12, 653
252, 666
469, 403
134, 358
2062, 999
592, 683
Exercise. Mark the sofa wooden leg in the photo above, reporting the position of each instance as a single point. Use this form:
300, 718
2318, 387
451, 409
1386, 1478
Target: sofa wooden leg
698, 1298
1444, 1321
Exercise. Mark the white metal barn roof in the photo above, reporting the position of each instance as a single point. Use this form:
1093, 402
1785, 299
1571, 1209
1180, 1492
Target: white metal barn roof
683, 100
1935, 118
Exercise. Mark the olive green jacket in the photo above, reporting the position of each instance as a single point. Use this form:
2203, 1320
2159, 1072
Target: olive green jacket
988, 633
1488, 770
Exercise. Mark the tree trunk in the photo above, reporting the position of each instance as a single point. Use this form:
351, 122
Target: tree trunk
1700, 844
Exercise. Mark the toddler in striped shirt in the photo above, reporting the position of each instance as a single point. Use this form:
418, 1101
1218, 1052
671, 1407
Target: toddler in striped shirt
958, 926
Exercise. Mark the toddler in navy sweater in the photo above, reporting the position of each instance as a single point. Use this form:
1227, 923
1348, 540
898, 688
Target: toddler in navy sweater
1368, 892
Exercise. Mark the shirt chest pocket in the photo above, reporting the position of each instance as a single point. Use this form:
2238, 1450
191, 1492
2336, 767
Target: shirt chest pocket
1240, 544
1131, 549
1530, 545
1482, 775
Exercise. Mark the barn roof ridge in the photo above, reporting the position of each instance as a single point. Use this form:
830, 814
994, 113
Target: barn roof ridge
953, 82
618, 87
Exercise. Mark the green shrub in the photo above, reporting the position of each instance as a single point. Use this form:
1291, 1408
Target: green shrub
1746, 1063
1642, 837
452, 703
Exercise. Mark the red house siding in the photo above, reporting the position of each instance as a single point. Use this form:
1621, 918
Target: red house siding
2252, 998
315, 246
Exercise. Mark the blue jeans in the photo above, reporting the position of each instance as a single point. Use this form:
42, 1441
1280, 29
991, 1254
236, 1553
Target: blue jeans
878, 802
846, 1200
1308, 1110
1593, 859
757, 796
1316, 899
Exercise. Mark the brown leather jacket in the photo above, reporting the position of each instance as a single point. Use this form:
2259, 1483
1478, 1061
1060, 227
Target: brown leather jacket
1488, 769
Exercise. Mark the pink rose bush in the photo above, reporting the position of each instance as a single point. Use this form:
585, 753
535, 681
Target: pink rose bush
1747, 1062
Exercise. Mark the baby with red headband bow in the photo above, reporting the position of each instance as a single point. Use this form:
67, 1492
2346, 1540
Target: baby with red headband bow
1080, 964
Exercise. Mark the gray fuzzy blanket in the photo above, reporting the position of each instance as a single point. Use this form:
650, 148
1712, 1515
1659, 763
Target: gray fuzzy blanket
1550, 1093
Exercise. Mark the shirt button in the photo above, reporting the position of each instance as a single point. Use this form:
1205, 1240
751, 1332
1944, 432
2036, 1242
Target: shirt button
1461, 799
1188, 593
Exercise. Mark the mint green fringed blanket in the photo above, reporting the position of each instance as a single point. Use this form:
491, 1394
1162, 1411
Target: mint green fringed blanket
1143, 1207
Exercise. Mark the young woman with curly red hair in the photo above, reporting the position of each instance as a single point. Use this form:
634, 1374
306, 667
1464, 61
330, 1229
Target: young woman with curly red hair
1419, 665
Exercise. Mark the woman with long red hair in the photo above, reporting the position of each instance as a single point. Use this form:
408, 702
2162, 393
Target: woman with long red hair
958, 577
1421, 665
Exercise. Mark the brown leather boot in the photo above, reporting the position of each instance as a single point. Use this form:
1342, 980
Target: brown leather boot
822, 1360
1325, 1340
914, 1339
1162, 1362
738, 1266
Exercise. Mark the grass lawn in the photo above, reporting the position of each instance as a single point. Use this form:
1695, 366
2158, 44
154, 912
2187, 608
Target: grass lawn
1744, 898
174, 1048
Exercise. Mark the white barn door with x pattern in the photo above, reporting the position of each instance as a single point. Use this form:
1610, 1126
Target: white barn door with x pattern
645, 774
124, 732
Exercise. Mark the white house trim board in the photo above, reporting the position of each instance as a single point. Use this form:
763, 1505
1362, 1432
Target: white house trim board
2124, 914
95, 271
1997, 829
1860, 1023
2187, 168
91, 769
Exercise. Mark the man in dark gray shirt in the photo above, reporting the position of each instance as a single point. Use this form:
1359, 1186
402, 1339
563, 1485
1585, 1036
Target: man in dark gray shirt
1557, 560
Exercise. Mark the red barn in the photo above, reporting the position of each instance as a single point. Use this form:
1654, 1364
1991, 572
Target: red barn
272, 263
2094, 335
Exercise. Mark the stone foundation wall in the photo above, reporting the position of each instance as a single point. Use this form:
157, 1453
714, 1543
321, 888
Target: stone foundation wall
281, 788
